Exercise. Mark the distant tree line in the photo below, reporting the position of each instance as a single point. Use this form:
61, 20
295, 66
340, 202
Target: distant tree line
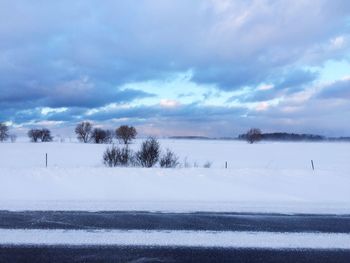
255, 135
87, 133
283, 136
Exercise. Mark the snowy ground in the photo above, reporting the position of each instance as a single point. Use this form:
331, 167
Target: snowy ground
264, 177
227, 239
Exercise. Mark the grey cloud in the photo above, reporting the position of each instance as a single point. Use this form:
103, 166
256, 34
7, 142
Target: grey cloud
297, 79
284, 83
191, 112
123, 41
339, 89
47, 48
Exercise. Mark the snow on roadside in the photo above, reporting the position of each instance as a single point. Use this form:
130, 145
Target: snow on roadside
175, 190
227, 239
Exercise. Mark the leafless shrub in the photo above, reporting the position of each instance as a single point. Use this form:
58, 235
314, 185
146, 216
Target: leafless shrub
148, 155
207, 164
83, 131
125, 134
115, 156
169, 160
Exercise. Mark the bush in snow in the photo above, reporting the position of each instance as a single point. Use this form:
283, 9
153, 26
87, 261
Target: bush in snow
83, 131
125, 134
148, 155
169, 160
207, 164
4, 129
115, 156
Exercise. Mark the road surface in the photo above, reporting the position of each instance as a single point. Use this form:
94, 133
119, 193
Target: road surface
53, 236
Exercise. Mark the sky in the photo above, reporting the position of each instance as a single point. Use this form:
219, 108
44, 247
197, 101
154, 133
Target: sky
176, 67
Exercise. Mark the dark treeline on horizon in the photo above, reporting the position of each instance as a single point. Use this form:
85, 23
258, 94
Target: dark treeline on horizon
275, 136
284, 136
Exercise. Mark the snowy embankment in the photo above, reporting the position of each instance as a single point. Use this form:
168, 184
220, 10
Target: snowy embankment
227, 239
266, 177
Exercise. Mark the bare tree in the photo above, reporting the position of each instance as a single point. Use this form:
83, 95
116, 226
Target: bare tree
169, 160
126, 134
4, 132
83, 131
253, 135
46, 135
148, 155
34, 135
98, 135
43, 135
101, 136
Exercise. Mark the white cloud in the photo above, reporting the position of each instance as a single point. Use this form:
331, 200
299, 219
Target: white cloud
168, 103
338, 42
265, 87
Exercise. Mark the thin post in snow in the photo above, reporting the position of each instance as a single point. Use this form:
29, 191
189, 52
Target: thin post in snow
46, 160
226, 165
312, 164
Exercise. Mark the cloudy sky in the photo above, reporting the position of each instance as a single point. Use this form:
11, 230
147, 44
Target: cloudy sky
177, 67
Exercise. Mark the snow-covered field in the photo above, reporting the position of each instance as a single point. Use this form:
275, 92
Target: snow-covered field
263, 177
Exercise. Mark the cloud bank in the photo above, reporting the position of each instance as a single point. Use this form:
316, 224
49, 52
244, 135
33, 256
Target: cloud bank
119, 61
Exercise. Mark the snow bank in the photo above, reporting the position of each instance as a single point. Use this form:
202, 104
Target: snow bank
227, 239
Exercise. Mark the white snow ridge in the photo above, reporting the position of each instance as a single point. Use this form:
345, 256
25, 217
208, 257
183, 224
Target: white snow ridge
226, 239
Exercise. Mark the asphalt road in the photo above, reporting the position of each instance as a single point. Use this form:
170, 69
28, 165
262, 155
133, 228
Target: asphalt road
165, 254
170, 221
175, 221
